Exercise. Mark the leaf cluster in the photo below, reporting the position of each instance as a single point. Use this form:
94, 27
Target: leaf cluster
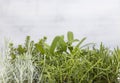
64, 61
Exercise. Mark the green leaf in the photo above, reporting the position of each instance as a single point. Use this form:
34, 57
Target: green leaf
40, 48
13, 56
20, 49
70, 36
75, 40
54, 44
27, 41
88, 44
62, 44
70, 48
81, 42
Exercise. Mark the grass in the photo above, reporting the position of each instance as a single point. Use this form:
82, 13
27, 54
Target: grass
64, 61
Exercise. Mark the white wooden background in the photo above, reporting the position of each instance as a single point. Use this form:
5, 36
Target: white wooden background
98, 20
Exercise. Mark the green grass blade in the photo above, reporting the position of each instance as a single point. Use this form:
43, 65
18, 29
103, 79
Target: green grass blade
81, 41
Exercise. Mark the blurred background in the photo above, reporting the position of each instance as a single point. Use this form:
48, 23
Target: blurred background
98, 20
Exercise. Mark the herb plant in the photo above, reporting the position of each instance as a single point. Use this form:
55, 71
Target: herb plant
64, 61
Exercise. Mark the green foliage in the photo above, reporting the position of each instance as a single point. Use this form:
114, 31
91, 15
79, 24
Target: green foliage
54, 44
61, 62
70, 37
